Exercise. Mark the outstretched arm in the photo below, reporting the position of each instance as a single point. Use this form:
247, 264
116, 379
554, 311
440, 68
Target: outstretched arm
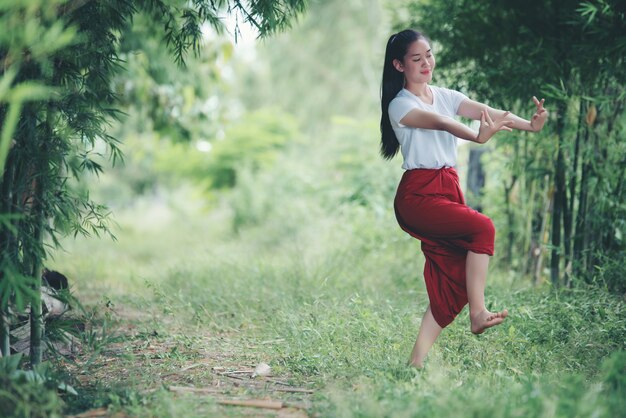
472, 110
422, 119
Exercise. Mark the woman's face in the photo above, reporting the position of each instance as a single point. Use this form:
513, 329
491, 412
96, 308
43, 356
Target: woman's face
418, 63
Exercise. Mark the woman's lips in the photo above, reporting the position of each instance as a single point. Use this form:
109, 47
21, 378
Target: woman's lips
426, 72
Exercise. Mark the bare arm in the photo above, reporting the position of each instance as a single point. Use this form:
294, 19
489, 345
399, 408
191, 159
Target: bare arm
422, 119
472, 110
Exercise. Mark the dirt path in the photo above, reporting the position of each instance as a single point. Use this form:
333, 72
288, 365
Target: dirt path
223, 368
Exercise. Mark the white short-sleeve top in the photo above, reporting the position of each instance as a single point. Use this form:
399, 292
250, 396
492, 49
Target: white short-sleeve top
425, 148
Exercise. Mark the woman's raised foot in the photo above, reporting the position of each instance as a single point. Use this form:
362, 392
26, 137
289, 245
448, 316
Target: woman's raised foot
485, 319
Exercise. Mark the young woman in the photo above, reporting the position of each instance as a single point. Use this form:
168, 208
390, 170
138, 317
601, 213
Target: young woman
457, 241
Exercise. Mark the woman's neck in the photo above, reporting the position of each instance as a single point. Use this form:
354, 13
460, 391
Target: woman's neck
421, 90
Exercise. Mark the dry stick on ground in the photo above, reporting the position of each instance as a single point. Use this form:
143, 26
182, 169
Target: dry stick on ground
92, 413
293, 390
262, 403
254, 403
238, 372
186, 389
184, 369
234, 377
278, 382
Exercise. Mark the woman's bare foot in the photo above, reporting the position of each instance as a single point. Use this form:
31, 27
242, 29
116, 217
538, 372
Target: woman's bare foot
485, 319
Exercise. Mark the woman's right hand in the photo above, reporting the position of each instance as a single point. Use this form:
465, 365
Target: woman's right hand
540, 116
489, 128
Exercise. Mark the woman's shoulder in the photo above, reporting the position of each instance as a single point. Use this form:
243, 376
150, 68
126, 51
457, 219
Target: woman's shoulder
402, 94
449, 96
402, 104
403, 97
444, 90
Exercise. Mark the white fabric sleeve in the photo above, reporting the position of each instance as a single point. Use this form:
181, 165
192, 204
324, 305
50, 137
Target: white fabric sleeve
398, 108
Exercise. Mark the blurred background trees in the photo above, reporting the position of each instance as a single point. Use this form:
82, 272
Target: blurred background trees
281, 134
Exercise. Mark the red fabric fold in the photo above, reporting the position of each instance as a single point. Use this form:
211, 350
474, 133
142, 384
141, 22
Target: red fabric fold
430, 206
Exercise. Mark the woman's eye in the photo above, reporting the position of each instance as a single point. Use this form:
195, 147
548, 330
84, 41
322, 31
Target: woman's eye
417, 60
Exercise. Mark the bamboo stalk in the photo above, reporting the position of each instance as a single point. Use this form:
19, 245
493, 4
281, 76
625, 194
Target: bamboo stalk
559, 200
5, 342
35, 257
542, 233
6, 238
36, 331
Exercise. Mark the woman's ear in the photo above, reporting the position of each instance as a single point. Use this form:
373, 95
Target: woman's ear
398, 65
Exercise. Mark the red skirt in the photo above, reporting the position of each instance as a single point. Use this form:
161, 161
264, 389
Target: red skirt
430, 206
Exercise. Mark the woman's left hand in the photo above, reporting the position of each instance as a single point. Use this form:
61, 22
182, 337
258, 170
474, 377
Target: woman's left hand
540, 116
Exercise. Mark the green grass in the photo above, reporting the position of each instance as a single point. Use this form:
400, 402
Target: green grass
304, 267
333, 307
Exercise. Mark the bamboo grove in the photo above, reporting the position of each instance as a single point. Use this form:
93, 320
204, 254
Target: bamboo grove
562, 197
58, 58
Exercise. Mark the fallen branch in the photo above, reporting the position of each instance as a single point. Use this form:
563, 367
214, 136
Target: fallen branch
278, 382
238, 372
253, 403
235, 376
184, 369
293, 390
186, 389
92, 413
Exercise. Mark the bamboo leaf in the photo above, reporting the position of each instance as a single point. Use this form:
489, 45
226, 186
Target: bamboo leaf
10, 364
29, 91
5, 82
67, 388
57, 37
6, 136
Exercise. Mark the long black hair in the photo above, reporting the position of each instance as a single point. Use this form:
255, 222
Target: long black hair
393, 82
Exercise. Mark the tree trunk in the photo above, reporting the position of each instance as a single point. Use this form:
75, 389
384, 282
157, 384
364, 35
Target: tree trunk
475, 177
510, 219
559, 199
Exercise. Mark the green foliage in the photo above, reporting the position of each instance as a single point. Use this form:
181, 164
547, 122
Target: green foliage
252, 143
325, 66
181, 22
610, 271
16, 288
180, 104
15, 98
31, 393
614, 379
